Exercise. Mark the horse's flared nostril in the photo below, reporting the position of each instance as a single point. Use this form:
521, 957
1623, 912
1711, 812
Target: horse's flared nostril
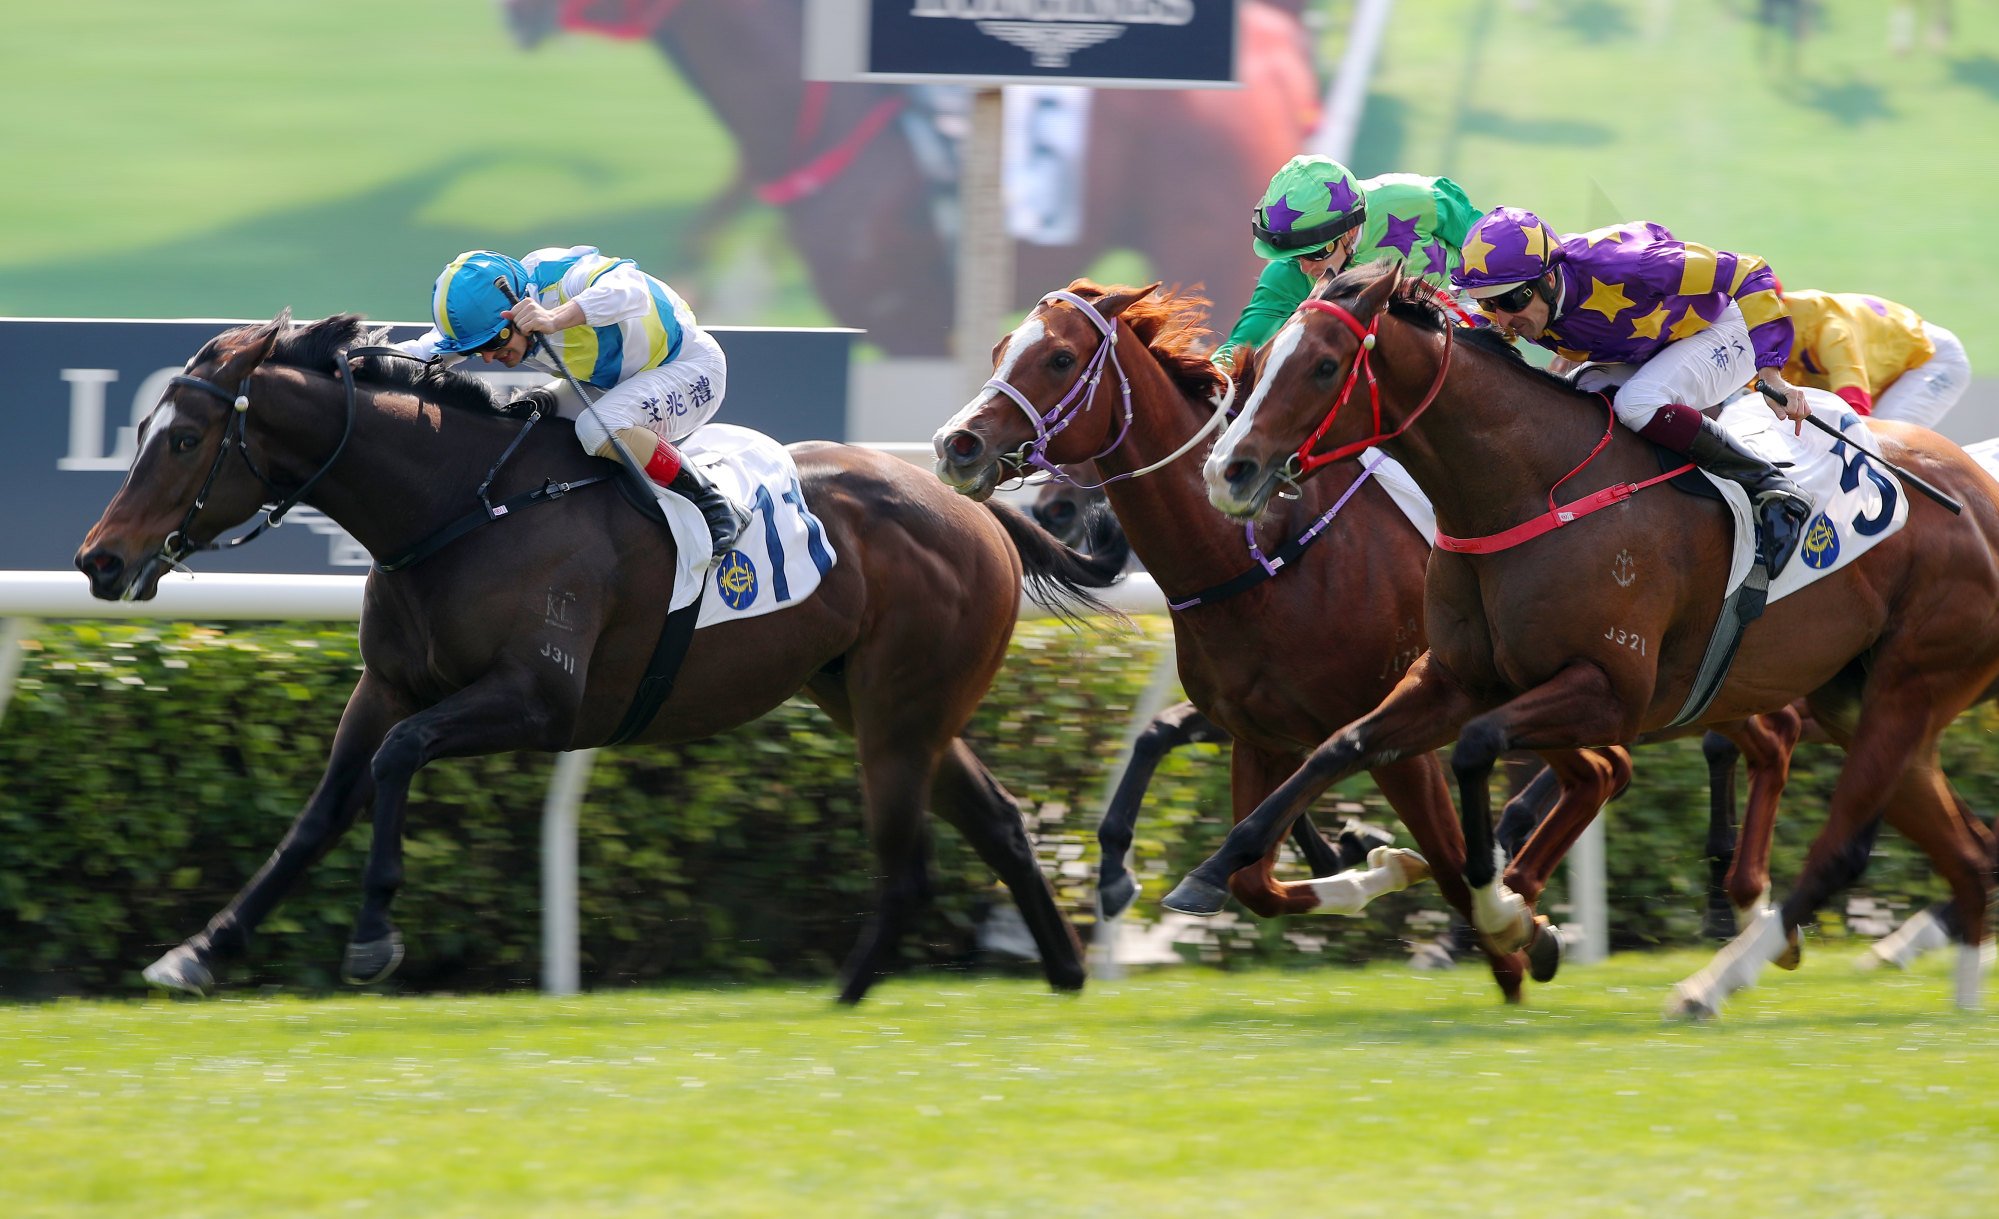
1240, 472
102, 567
961, 448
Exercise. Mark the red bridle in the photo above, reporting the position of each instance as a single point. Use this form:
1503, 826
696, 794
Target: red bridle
1305, 459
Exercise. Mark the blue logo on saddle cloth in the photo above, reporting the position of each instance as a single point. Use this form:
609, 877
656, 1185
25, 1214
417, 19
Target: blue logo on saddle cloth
1820, 548
736, 580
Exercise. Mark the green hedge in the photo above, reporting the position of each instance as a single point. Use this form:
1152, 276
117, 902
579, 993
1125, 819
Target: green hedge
146, 770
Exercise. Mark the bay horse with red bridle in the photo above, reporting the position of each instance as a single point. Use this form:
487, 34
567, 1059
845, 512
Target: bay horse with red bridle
859, 206
463, 654
1529, 650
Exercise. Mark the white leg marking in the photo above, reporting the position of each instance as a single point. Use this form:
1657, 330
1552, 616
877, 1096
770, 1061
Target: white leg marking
1744, 915
1390, 871
1736, 967
1972, 962
1903, 946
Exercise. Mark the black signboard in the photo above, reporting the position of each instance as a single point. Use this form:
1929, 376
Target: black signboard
1132, 42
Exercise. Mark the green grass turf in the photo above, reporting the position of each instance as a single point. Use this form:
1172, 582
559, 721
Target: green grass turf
1850, 169
1186, 1093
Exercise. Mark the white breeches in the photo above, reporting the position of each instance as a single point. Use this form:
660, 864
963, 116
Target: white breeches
1697, 371
1924, 393
670, 401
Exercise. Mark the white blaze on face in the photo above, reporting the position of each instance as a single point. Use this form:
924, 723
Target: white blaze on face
1023, 340
1281, 350
163, 418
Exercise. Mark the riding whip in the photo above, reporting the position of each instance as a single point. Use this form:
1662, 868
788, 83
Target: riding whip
1836, 434
548, 349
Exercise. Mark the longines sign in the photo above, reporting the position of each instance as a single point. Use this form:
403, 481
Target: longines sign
76, 392
1156, 43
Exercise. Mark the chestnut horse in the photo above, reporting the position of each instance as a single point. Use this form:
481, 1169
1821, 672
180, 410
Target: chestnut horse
533, 633
1369, 551
857, 205
1077, 513
1262, 664
1886, 650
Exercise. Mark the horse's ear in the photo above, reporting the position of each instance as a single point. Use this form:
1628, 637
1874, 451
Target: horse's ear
1114, 303
1375, 297
243, 358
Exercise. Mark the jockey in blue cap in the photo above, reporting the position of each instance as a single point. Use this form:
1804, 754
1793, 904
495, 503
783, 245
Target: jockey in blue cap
619, 331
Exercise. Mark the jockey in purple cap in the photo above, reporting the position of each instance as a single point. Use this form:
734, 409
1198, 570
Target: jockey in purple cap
1698, 323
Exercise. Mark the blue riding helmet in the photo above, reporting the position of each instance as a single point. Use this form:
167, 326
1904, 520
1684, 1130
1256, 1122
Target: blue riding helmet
466, 304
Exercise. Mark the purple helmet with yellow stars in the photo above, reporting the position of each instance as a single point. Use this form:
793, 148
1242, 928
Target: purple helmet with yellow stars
1308, 205
1509, 246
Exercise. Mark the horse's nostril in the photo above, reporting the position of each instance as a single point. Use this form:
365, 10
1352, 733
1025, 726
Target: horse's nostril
964, 445
1237, 471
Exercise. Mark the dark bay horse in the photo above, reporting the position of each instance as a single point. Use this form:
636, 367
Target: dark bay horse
1533, 647
858, 206
1264, 664
533, 633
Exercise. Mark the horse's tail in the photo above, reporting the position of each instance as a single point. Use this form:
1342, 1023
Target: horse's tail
1104, 539
1058, 577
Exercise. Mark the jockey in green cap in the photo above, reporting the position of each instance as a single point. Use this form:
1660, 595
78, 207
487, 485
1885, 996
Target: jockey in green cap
1316, 216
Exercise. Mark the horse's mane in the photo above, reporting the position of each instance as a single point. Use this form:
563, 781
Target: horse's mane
1173, 326
313, 347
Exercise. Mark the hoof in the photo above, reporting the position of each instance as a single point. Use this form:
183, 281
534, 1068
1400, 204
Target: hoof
180, 971
1196, 897
1544, 951
1687, 1005
1410, 867
1114, 896
369, 963
1793, 954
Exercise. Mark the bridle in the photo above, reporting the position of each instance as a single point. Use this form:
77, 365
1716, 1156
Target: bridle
1050, 423
177, 548
1304, 461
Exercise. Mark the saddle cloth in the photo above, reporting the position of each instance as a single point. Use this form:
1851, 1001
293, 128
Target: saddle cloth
1855, 502
1984, 452
782, 554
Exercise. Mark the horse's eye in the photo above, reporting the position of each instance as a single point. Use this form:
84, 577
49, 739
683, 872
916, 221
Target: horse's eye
1062, 361
185, 442
1328, 369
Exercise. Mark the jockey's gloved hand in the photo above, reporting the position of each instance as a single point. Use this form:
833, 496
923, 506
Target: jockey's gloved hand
532, 400
1793, 406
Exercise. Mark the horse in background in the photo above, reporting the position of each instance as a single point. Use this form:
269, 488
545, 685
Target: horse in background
857, 202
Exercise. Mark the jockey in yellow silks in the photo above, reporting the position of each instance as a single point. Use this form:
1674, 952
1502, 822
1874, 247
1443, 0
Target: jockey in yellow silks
1880, 356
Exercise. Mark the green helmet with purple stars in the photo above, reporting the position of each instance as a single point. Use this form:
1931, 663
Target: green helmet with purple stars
1308, 205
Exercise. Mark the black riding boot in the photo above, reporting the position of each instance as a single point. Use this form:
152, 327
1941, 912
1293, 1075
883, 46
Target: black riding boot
1781, 509
726, 520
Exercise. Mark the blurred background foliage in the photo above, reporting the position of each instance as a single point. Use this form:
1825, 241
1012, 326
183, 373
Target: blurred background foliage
146, 771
